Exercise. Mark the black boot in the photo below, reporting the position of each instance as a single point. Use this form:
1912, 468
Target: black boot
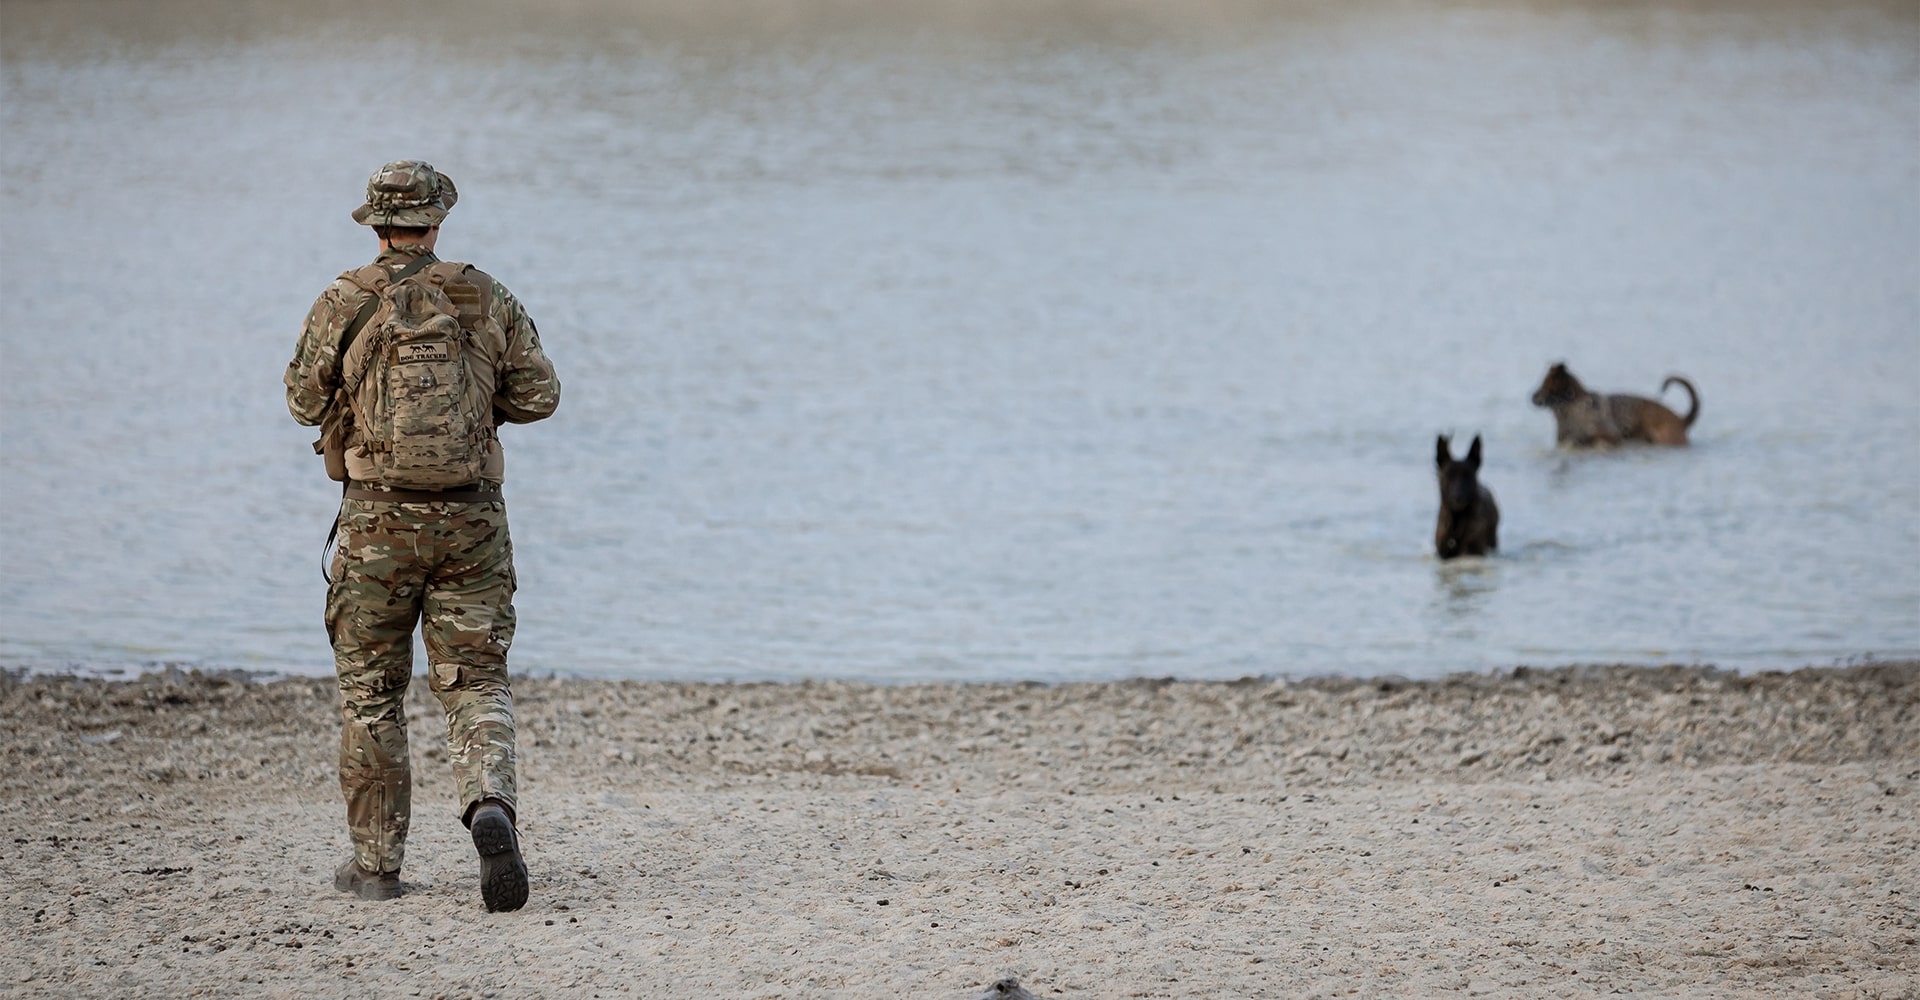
503, 876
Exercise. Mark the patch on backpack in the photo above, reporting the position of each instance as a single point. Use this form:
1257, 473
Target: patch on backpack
469, 300
437, 350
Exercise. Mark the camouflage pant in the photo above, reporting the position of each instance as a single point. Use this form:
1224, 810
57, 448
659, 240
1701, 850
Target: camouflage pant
449, 566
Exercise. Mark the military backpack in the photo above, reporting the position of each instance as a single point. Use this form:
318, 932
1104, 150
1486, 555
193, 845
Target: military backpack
417, 383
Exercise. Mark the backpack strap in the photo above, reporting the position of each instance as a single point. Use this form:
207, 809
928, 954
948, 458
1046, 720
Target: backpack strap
354, 327
471, 292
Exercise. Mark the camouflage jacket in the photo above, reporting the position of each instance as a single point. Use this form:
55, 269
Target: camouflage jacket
528, 389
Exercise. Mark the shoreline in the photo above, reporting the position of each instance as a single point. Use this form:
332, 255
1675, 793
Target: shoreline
1680, 831
26, 670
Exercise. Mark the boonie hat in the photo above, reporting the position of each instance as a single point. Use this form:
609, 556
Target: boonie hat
407, 193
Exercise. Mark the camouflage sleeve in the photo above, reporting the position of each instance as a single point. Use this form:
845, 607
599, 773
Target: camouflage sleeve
529, 390
314, 372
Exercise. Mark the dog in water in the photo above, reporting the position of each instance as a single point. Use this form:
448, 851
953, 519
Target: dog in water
1469, 519
1583, 419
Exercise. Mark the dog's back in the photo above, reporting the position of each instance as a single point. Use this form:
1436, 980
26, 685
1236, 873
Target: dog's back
1469, 521
1650, 420
1583, 418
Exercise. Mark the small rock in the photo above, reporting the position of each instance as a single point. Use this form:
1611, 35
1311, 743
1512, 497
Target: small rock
1005, 988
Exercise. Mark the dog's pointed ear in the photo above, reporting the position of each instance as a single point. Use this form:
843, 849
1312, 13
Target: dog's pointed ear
1442, 455
1473, 452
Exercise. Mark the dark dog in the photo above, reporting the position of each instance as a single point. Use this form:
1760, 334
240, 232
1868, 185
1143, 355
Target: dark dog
1583, 419
1469, 519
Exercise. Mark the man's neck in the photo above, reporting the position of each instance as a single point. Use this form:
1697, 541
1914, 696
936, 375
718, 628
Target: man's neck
416, 244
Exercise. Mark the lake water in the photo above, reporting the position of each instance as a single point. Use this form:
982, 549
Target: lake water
984, 340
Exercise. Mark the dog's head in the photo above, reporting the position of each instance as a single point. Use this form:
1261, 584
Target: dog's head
1558, 387
1459, 480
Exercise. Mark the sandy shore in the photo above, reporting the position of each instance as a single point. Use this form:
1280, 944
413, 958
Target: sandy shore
1672, 832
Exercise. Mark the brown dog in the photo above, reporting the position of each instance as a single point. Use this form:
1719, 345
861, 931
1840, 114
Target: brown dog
1469, 519
1583, 419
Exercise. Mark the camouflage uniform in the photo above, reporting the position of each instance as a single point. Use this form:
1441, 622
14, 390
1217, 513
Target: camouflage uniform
445, 564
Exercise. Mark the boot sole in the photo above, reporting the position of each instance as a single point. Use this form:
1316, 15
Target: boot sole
503, 876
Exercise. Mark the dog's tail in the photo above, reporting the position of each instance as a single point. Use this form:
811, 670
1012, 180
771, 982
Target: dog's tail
1693, 410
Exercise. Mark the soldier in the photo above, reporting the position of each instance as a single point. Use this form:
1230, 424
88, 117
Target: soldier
422, 525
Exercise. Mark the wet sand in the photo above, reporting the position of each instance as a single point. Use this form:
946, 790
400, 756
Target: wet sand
1677, 832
